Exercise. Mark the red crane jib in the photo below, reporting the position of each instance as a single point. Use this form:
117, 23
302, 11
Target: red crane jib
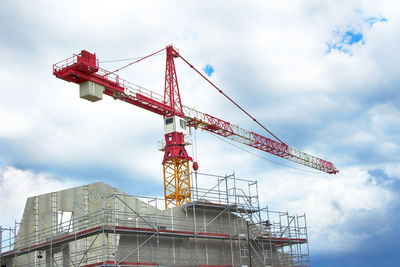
224, 128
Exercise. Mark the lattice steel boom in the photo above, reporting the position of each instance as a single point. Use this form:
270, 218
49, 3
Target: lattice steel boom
223, 128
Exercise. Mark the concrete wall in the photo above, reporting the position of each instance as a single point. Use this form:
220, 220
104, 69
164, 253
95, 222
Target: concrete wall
100, 204
182, 251
91, 199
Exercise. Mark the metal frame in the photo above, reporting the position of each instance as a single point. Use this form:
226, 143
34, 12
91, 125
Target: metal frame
245, 233
177, 190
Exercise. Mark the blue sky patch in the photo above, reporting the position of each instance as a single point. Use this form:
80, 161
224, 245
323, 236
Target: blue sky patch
345, 37
353, 37
372, 20
209, 70
343, 40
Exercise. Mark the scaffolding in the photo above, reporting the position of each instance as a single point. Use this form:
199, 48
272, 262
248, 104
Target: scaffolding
224, 225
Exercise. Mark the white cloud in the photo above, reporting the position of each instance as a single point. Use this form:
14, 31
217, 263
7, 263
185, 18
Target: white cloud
17, 185
335, 205
14, 124
385, 118
361, 137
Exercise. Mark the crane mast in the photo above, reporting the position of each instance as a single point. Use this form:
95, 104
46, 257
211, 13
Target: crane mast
83, 69
176, 169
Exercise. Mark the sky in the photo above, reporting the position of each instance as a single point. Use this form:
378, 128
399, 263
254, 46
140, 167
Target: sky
321, 75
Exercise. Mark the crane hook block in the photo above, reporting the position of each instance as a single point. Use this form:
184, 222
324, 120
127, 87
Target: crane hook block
195, 166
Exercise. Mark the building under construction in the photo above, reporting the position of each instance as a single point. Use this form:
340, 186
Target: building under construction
98, 225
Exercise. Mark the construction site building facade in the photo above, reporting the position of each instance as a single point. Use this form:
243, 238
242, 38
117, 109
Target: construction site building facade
98, 225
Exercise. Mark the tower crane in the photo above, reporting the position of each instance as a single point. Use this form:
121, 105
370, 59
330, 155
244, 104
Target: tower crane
94, 82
